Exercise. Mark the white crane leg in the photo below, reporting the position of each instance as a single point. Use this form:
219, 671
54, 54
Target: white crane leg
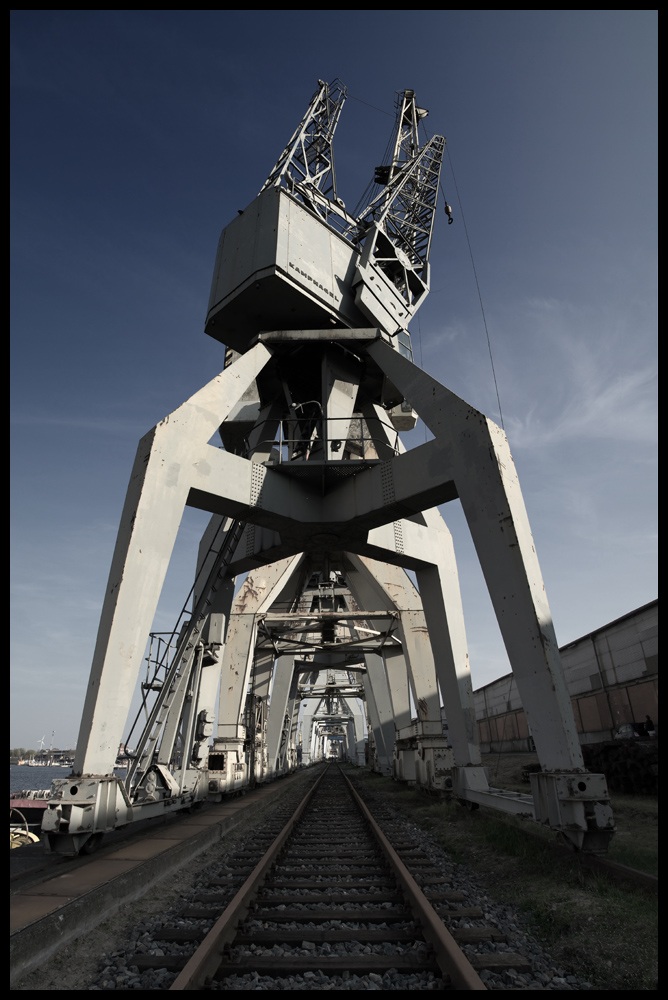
377, 693
283, 671
170, 462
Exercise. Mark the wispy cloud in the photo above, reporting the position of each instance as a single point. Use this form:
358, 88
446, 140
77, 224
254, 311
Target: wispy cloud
612, 406
595, 385
446, 334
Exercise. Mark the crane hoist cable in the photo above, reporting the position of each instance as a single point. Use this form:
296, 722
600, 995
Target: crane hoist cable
475, 273
477, 285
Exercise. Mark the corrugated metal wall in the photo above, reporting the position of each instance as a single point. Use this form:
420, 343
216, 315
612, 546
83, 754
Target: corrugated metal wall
612, 676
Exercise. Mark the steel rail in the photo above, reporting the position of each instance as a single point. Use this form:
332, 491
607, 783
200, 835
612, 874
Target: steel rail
208, 956
450, 958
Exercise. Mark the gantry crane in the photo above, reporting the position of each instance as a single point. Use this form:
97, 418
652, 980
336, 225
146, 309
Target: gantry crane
312, 492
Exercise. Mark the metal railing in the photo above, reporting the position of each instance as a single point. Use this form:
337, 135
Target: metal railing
312, 437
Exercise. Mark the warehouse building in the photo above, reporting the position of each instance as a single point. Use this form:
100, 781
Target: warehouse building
612, 677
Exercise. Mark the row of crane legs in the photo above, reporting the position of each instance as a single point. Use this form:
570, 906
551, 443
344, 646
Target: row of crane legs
315, 498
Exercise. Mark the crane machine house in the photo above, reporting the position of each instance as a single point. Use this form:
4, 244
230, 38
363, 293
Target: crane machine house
315, 498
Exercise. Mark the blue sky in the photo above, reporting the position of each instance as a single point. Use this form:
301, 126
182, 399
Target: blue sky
137, 135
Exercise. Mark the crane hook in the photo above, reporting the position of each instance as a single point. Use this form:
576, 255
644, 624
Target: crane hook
448, 212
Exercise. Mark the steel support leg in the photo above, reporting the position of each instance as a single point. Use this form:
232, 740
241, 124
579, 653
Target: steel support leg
261, 588
381, 755
376, 584
471, 454
397, 679
306, 736
170, 462
427, 539
357, 749
283, 675
289, 760
376, 688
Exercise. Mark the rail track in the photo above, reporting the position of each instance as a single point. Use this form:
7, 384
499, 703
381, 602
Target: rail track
328, 887
325, 898
334, 907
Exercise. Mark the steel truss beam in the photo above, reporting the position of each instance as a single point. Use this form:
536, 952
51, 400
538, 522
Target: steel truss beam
306, 165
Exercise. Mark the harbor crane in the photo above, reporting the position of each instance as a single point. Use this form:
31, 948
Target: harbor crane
315, 498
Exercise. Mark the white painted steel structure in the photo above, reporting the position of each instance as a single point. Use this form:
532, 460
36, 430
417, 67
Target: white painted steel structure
316, 499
